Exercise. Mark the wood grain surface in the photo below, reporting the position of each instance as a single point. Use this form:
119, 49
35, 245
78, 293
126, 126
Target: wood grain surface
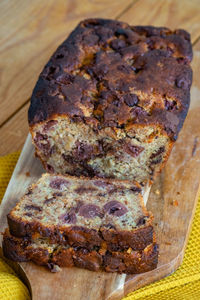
172, 200
31, 30
170, 13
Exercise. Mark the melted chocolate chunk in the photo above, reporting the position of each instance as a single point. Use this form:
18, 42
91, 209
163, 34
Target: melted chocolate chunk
170, 105
59, 183
50, 200
90, 211
29, 192
49, 168
83, 189
83, 151
57, 194
103, 184
160, 151
28, 214
53, 268
101, 194
115, 208
156, 161
118, 44
141, 221
49, 125
109, 226
43, 144
138, 111
131, 99
33, 207
182, 82
133, 150
69, 217
136, 189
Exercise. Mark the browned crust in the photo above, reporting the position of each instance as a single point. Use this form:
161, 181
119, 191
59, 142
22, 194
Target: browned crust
137, 239
130, 262
124, 64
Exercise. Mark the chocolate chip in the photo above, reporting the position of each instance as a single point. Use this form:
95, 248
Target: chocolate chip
69, 217
57, 194
102, 184
182, 60
52, 150
49, 125
131, 100
65, 78
138, 111
50, 200
49, 168
115, 208
83, 189
125, 69
136, 189
101, 195
109, 226
42, 143
59, 183
90, 211
160, 150
121, 31
157, 161
182, 83
33, 207
53, 268
118, 44
132, 150
83, 151
170, 105
91, 39
29, 192
59, 56
141, 221
28, 214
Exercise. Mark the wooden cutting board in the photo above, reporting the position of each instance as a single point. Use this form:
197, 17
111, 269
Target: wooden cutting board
172, 200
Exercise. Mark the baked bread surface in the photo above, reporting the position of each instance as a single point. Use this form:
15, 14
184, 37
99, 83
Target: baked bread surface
109, 74
111, 100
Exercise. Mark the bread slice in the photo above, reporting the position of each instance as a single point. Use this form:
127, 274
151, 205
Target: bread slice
112, 100
86, 213
54, 256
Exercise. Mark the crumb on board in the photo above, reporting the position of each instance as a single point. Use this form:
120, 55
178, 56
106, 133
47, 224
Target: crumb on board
157, 192
28, 174
129, 250
168, 243
175, 203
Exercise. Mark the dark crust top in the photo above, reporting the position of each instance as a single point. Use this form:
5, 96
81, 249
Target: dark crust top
107, 73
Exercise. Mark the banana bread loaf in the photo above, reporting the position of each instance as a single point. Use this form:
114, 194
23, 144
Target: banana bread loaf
111, 100
84, 213
54, 256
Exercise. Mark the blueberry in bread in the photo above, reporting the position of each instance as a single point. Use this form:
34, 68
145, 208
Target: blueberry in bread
54, 256
83, 218
84, 213
111, 100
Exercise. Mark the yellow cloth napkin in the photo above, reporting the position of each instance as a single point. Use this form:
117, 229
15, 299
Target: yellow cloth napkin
184, 284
